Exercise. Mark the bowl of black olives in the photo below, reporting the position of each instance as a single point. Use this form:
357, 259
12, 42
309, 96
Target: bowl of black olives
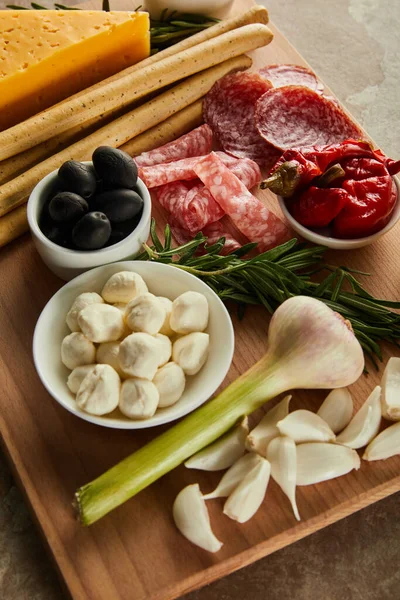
88, 214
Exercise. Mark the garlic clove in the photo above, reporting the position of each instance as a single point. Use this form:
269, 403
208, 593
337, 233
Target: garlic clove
259, 437
390, 399
192, 519
365, 424
385, 445
305, 426
246, 498
318, 462
281, 453
234, 475
222, 453
337, 409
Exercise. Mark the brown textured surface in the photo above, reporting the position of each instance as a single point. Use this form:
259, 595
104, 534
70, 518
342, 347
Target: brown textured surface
359, 556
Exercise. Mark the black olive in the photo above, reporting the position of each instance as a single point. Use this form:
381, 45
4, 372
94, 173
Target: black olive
92, 231
79, 178
67, 206
116, 236
119, 205
54, 233
116, 168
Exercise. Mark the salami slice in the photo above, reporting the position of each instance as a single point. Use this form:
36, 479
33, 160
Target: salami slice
282, 75
195, 143
248, 213
295, 116
247, 170
213, 232
229, 110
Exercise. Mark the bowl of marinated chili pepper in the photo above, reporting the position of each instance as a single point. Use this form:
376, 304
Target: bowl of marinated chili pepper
342, 195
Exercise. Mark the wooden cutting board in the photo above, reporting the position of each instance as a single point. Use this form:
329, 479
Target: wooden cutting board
136, 552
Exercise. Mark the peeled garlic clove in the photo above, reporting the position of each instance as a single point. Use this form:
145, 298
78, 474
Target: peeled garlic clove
246, 498
234, 475
222, 453
305, 426
318, 462
390, 399
385, 445
337, 409
192, 519
365, 424
281, 453
259, 437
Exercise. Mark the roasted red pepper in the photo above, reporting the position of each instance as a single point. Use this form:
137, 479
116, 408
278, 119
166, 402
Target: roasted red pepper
317, 207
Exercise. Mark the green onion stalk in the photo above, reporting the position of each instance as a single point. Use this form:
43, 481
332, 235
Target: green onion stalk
309, 346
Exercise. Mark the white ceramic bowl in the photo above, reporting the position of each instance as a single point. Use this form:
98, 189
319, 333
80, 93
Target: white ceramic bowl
66, 263
323, 238
162, 280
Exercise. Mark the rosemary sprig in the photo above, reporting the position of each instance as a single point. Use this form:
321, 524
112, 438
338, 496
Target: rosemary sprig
272, 277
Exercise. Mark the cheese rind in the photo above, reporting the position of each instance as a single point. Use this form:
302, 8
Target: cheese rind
49, 55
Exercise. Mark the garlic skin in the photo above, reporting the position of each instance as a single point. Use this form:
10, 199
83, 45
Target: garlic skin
365, 424
191, 351
145, 313
390, 383
189, 313
77, 376
170, 382
282, 455
385, 445
78, 304
123, 287
317, 462
108, 354
305, 426
192, 519
259, 437
98, 393
223, 453
138, 398
234, 475
247, 497
139, 355
166, 327
101, 323
337, 409
77, 350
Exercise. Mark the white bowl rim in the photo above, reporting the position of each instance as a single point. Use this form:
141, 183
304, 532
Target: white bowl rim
343, 243
34, 225
131, 425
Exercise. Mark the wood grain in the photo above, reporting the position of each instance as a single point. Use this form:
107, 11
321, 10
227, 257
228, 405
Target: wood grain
136, 552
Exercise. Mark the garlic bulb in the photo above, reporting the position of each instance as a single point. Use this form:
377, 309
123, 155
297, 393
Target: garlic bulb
259, 437
391, 390
281, 453
223, 453
246, 498
337, 409
365, 424
318, 462
385, 445
234, 475
305, 426
192, 519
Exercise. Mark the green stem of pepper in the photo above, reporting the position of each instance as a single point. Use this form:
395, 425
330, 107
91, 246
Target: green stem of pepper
284, 180
331, 174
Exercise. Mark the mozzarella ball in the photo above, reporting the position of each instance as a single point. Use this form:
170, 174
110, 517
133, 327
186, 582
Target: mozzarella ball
190, 352
80, 302
122, 308
145, 313
189, 313
77, 376
138, 398
77, 350
139, 355
166, 327
170, 383
108, 354
123, 287
98, 393
101, 323
164, 348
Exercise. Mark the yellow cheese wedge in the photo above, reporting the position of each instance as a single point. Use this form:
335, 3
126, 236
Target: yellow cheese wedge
48, 55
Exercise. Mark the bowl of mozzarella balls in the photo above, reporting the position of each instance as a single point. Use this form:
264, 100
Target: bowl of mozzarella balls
133, 344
